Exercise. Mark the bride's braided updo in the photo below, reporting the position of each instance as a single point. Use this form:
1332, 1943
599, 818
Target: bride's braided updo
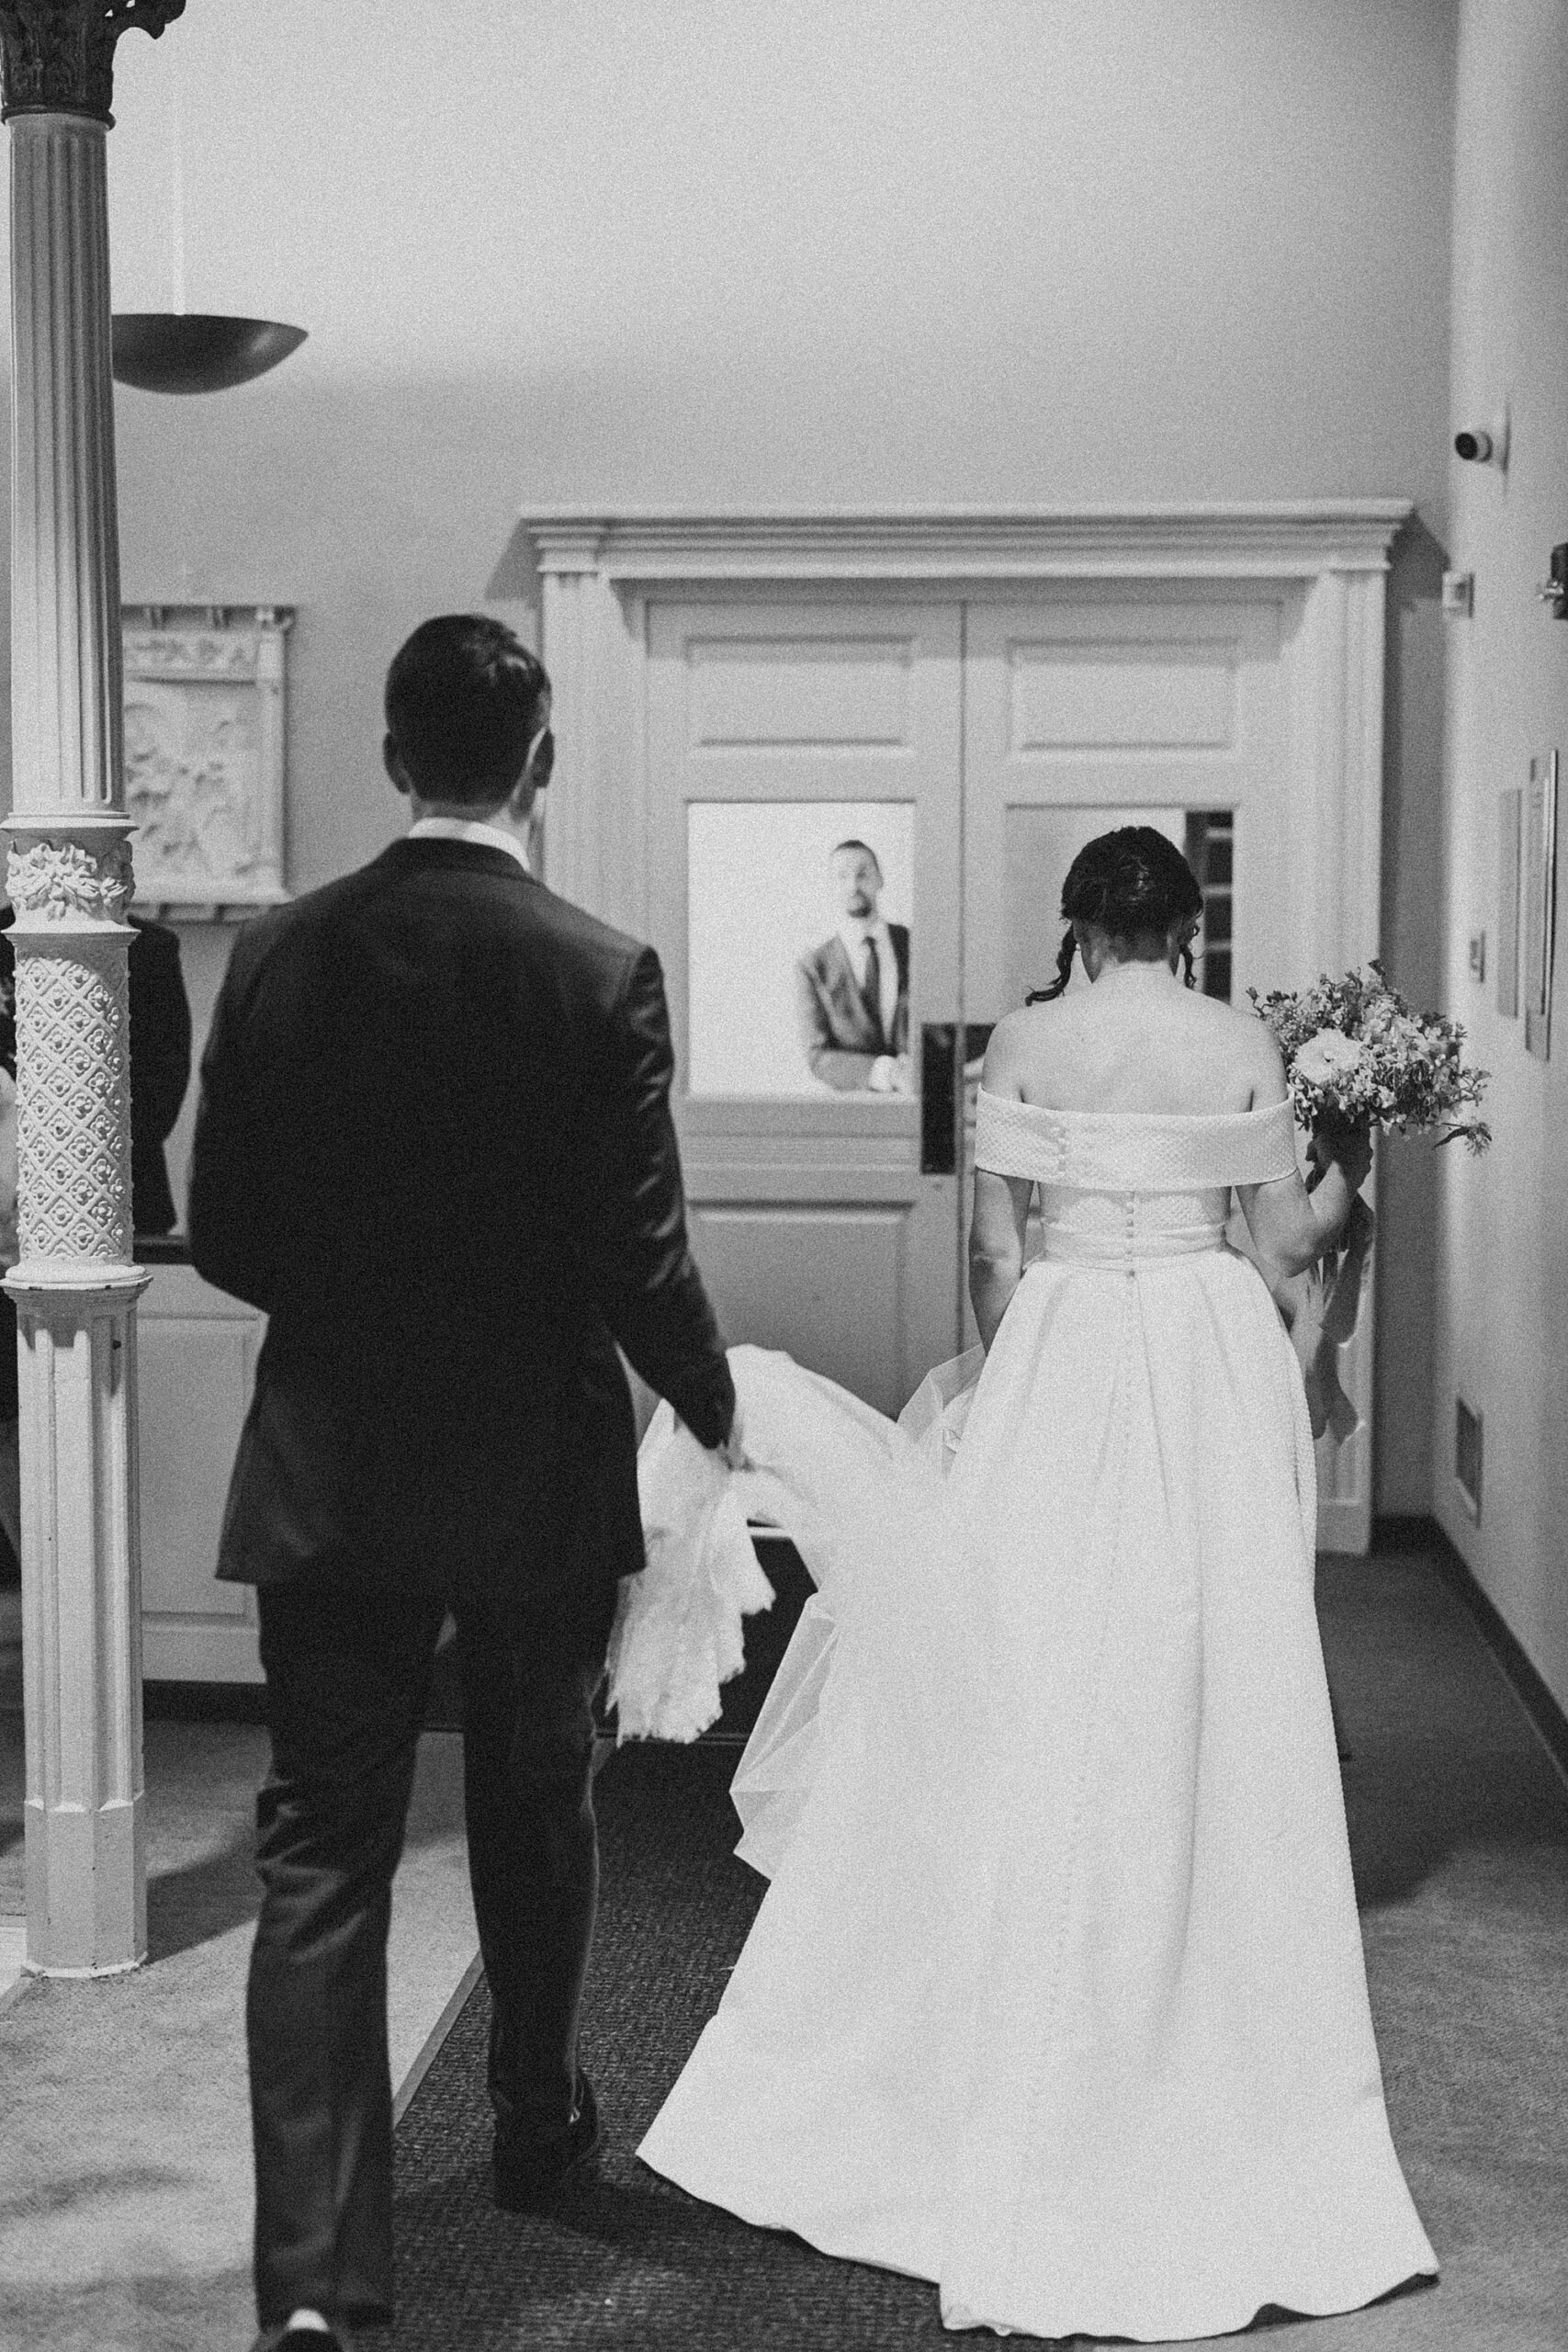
1130, 883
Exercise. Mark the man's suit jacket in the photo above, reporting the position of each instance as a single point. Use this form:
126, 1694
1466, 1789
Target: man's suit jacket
434, 1145
842, 1033
160, 1072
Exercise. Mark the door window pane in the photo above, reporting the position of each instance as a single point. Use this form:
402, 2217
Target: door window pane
799, 947
1041, 843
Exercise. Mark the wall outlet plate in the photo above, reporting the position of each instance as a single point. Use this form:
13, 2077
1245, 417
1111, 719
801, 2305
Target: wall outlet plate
1458, 595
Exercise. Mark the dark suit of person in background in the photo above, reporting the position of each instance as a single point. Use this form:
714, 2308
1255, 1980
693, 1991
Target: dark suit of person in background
852, 992
160, 1073
435, 1146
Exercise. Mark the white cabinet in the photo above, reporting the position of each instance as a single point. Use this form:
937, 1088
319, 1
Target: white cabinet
196, 1359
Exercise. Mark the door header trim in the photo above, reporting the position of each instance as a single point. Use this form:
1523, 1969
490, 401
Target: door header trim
1282, 539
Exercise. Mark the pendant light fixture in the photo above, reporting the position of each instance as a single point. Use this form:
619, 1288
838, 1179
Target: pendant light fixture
192, 351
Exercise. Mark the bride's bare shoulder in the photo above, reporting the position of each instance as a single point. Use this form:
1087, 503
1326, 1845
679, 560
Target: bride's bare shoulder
1014, 1045
1252, 1041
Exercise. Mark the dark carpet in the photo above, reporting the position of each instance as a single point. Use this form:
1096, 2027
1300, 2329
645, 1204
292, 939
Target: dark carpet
1460, 1832
635, 2262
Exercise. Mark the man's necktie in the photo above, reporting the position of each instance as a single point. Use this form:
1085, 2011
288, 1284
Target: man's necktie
871, 986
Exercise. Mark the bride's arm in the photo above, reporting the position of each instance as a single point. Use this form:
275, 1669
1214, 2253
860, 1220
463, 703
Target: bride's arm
1001, 1202
996, 1246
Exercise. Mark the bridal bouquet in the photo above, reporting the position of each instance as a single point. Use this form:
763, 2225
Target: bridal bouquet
1355, 1052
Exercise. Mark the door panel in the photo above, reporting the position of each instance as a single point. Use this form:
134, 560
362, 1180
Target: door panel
778, 730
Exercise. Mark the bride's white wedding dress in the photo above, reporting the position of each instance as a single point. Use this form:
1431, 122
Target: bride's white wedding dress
1056, 1997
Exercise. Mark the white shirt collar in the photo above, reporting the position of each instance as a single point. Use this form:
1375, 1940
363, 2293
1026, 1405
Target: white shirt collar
855, 931
470, 829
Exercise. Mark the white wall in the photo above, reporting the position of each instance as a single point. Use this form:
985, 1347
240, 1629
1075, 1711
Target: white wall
1501, 1326
744, 252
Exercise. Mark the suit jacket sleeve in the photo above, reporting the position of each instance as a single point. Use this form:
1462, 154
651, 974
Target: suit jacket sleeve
837, 1066
232, 1234
641, 1269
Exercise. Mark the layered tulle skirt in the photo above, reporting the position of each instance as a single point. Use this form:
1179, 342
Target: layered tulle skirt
1056, 1997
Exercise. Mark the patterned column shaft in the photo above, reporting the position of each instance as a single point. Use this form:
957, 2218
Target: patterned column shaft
73, 1074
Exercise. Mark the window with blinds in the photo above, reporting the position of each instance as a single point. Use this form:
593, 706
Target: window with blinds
1209, 848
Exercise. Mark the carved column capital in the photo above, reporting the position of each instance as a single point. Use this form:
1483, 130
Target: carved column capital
57, 56
55, 881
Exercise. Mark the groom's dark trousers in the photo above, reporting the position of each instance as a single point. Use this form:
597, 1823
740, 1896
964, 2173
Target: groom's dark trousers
435, 1146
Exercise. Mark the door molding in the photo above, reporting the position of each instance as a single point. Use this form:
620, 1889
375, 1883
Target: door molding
598, 568
1285, 539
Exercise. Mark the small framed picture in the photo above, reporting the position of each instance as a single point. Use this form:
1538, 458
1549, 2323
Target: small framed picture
1538, 908
204, 756
1511, 806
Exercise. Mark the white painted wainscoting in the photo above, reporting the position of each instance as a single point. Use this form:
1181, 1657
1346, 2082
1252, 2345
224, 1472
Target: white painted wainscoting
980, 689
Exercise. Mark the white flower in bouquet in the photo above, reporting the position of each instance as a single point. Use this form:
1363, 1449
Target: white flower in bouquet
1329, 1057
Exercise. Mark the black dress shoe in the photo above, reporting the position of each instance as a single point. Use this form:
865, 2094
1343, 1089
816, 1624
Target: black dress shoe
300, 2339
533, 2174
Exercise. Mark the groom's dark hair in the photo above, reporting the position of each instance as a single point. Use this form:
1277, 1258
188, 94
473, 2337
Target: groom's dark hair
463, 702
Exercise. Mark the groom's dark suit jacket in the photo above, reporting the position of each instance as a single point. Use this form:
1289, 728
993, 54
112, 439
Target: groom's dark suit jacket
434, 1145
843, 1034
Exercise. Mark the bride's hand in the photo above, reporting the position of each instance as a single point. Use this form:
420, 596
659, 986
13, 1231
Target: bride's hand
1345, 1145
733, 1449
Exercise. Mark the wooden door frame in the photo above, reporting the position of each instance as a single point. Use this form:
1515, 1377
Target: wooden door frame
597, 569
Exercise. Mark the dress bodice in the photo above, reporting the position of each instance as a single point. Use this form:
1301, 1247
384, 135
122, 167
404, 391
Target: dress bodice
1117, 1186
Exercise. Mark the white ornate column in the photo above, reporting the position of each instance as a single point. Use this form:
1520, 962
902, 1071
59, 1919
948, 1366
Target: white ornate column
69, 875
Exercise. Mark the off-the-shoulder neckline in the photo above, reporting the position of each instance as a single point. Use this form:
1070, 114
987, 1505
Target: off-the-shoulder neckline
1148, 1118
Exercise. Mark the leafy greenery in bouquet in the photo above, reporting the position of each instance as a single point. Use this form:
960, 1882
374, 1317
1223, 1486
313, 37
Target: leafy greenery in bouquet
1355, 1052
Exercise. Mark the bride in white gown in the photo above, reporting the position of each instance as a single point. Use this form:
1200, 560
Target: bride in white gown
1056, 1998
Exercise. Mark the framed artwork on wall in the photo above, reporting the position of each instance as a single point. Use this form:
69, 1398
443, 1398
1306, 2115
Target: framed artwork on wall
1537, 907
204, 756
1511, 806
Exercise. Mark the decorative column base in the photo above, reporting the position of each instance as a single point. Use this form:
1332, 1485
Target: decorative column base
81, 1619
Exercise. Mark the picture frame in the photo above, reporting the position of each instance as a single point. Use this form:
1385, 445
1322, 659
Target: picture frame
204, 705
1539, 900
1510, 808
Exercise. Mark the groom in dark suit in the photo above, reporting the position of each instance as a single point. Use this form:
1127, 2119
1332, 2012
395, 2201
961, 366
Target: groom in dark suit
435, 1146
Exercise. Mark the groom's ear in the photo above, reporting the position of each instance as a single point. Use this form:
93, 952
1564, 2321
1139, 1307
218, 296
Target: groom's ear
392, 760
524, 795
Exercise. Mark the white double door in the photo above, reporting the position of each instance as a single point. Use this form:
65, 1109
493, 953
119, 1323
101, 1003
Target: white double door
972, 743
